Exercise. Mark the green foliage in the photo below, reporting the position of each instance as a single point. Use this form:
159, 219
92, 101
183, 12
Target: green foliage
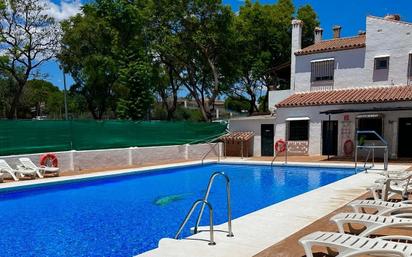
310, 21
237, 104
28, 37
123, 54
263, 45
87, 54
44, 98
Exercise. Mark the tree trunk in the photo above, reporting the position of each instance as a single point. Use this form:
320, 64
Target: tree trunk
12, 114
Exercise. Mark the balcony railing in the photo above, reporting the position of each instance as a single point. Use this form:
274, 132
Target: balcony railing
323, 85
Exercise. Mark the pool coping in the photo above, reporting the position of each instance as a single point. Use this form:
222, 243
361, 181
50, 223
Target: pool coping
26, 184
254, 243
263, 228
49, 181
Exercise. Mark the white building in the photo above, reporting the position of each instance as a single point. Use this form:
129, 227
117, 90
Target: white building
343, 85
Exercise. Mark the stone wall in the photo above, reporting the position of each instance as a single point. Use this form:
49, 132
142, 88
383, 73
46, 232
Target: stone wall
122, 157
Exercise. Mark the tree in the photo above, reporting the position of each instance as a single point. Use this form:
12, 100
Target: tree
28, 38
263, 44
199, 46
310, 22
41, 97
106, 48
86, 53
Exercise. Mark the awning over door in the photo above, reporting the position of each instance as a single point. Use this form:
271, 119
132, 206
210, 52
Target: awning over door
297, 118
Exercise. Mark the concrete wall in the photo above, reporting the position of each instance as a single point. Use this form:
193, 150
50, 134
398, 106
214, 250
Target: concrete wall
252, 124
276, 96
346, 128
388, 38
355, 68
349, 68
123, 157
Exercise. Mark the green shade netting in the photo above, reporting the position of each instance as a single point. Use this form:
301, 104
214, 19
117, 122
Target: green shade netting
32, 136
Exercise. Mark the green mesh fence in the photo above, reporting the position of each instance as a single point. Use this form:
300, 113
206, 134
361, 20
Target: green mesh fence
18, 137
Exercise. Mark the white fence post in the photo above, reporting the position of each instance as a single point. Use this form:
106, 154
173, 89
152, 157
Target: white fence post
71, 153
187, 151
131, 156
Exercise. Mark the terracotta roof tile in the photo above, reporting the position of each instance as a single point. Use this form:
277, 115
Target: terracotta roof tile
336, 44
238, 136
349, 96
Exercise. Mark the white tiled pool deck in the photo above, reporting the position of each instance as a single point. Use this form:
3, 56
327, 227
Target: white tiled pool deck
258, 230
253, 232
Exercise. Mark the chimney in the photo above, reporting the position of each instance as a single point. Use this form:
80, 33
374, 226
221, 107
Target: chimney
318, 34
392, 17
297, 26
336, 31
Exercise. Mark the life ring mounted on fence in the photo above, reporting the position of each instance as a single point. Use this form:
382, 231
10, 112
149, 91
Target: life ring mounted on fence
49, 160
348, 147
280, 146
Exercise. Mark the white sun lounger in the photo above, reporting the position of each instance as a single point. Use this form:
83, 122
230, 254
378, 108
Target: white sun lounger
28, 164
350, 245
382, 208
5, 168
390, 187
372, 222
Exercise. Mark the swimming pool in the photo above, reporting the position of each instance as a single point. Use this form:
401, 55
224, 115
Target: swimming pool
127, 215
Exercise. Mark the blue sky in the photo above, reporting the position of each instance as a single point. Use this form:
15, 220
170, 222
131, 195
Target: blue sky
350, 14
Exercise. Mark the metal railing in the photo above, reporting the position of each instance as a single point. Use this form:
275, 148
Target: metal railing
205, 203
371, 149
212, 148
206, 197
286, 154
195, 204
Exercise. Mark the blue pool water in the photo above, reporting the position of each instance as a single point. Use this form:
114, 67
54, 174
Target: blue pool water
127, 215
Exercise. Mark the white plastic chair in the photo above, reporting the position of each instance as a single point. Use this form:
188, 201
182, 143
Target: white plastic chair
382, 208
28, 164
372, 222
5, 168
351, 246
389, 187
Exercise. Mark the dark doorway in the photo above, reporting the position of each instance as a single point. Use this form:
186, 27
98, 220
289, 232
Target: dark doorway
267, 132
330, 137
405, 137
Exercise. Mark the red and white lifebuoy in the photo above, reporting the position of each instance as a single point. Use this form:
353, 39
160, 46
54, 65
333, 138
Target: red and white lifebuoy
348, 147
49, 160
280, 146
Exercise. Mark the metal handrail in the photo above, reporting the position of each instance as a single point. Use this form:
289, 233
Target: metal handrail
372, 148
212, 148
286, 154
205, 198
367, 158
195, 204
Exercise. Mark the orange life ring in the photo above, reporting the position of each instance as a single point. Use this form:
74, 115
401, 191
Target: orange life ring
280, 146
49, 160
348, 147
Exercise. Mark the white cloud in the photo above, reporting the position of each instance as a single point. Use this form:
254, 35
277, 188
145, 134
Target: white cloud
64, 10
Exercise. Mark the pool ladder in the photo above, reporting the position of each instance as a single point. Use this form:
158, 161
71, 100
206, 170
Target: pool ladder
204, 202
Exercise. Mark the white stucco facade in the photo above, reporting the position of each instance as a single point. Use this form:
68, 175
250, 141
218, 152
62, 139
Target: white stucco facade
354, 67
390, 123
252, 124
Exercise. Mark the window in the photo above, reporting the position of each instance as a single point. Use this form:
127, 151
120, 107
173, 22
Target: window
374, 124
298, 130
381, 63
381, 69
410, 67
322, 70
